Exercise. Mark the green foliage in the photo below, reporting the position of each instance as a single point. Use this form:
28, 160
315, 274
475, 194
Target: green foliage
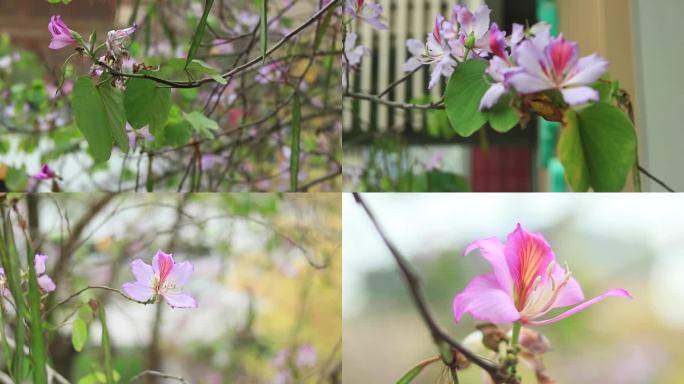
79, 334
100, 116
294, 145
147, 103
502, 117
464, 91
201, 124
597, 148
440, 181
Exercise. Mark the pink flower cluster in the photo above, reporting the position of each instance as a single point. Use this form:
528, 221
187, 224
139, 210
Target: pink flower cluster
529, 61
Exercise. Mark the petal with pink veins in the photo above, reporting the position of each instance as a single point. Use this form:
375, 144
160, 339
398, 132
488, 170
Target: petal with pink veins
618, 292
528, 255
588, 70
484, 299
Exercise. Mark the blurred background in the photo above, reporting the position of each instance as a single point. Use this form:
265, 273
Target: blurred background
267, 278
392, 149
608, 240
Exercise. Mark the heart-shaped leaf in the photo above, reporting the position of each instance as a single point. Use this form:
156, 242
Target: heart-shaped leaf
100, 116
597, 148
464, 91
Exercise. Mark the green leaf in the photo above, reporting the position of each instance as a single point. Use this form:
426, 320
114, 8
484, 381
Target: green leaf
199, 67
147, 103
100, 116
38, 352
199, 32
464, 91
571, 153
502, 117
202, 124
294, 145
597, 148
413, 372
79, 334
263, 34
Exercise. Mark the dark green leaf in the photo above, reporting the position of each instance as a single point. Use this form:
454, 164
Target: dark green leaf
598, 148
177, 134
464, 91
502, 117
199, 32
147, 103
294, 146
100, 116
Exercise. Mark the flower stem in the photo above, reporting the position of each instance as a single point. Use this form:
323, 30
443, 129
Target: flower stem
514, 348
516, 334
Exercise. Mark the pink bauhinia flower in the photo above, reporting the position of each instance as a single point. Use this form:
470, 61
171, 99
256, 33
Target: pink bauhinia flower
556, 66
526, 283
62, 36
365, 11
163, 278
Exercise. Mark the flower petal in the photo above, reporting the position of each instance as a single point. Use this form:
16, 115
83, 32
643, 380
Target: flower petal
528, 255
525, 83
137, 291
492, 96
485, 301
587, 70
181, 273
571, 294
579, 95
162, 263
492, 250
530, 58
46, 283
619, 292
142, 271
39, 263
179, 300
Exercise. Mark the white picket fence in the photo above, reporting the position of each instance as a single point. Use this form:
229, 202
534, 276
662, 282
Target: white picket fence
405, 19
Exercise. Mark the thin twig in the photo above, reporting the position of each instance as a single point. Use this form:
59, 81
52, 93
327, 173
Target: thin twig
652, 177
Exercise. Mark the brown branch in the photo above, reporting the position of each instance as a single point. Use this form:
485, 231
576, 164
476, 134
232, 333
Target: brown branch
414, 284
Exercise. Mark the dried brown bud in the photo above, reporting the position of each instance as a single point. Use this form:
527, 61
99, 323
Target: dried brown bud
534, 342
492, 336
